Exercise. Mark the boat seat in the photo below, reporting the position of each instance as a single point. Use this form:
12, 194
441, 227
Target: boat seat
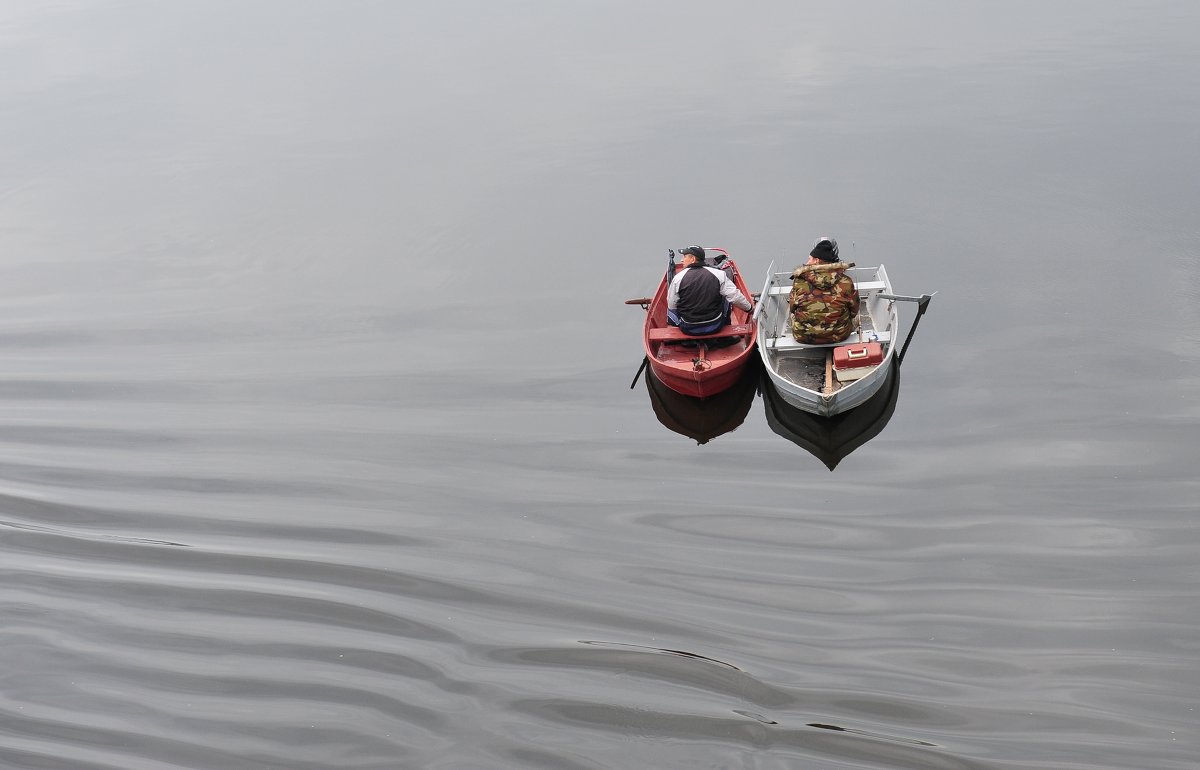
864, 287
674, 333
788, 343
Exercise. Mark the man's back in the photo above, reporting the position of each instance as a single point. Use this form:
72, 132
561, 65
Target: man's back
699, 294
823, 302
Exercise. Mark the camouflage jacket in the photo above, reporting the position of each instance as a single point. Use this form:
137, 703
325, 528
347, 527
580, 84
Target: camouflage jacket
823, 304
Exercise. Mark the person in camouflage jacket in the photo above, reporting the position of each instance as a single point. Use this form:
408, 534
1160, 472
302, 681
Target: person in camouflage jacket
823, 304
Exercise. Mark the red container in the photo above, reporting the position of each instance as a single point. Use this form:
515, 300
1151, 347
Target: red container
858, 355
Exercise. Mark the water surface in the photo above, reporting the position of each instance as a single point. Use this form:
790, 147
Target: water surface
317, 447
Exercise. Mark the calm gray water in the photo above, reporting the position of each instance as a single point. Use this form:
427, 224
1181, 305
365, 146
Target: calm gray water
317, 446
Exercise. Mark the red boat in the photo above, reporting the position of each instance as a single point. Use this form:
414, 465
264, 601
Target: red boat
698, 366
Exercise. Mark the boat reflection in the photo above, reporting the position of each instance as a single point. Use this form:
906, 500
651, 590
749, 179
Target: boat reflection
831, 439
703, 419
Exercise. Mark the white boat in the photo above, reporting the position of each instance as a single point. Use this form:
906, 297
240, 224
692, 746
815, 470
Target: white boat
803, 374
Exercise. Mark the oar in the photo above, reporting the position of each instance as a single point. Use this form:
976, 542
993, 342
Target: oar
922, 303
642, 368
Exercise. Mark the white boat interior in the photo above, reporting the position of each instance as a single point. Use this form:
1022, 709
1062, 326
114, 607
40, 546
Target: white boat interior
806, 365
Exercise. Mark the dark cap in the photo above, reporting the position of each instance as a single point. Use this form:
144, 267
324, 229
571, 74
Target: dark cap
825, 249
695, 251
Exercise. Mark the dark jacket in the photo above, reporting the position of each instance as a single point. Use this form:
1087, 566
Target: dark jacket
698, 294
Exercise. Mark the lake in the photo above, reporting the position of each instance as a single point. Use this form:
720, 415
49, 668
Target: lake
317, 441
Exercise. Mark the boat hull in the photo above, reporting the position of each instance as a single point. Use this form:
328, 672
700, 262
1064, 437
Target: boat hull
689, 382
826, 405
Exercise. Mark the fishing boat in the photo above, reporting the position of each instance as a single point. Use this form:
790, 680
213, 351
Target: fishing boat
804, 374
704, 365
831, 439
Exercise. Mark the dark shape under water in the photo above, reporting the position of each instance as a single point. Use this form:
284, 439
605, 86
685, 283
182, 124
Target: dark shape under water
831, 439
659, 650
703, 419
882, 736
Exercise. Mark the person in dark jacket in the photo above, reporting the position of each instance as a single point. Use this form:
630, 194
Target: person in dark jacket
700, 297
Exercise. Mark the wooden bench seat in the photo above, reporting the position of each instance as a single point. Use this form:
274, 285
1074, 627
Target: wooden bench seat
674, 333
